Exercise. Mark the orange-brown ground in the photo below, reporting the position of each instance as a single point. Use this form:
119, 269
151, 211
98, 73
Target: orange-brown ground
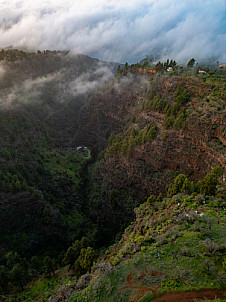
190, 296
171, 296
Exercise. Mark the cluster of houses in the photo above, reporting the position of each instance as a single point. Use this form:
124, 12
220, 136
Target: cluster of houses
200, 71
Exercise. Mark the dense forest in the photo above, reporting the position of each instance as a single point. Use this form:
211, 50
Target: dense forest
110, 177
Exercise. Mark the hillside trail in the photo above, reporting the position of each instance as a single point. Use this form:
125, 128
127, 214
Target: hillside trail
191, 296
209, 212
138, 292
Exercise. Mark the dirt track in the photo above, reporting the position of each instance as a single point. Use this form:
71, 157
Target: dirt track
190, 296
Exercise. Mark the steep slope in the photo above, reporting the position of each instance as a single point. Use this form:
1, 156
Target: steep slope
161, 126
142, 130
169, 247
173, 251
41, 173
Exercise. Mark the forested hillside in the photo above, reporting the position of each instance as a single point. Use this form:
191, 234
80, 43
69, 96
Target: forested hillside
88, 150
42, 172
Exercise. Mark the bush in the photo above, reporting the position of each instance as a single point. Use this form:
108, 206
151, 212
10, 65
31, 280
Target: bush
210, 247
151, 200
179, 122
180, 184
169, 121
73, 252
208, 267
208, 185
218, 171
86, 259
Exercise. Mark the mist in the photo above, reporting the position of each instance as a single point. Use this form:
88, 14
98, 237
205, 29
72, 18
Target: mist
118, 31
88, 82
53, 88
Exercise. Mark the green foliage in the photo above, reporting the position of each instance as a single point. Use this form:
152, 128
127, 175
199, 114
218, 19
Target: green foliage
49, 265
218, 171
74, 251
175, 115
18, 275
86, 258
151, 200
43, 176
160, 66
84, 262
12, 259
171, 284
168, 122
72, 256
208, 185
178, 90
180, 184
156, 104
160, 197
125, 142
179, 121
35, 265
191, 63
182, 98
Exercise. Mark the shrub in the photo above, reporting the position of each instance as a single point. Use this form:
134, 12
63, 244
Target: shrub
208, 185
169, 121
179, 122
86, 258
208, 267
151, 200
210, 247
73, 252
218, 171
180, 184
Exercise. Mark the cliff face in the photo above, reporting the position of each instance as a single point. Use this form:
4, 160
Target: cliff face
193, 148
109, 110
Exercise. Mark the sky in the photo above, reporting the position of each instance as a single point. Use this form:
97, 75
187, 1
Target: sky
118, 30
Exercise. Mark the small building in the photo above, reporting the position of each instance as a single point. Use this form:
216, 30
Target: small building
170, 69
202, 71
202, 215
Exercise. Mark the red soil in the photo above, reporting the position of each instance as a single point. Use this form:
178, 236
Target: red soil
190, 296
172, 296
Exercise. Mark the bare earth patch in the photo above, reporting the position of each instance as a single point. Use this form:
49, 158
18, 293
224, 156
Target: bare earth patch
190, 296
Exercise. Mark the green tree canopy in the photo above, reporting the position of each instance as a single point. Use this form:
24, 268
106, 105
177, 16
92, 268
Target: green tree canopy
18, 275
208, 185
191, 63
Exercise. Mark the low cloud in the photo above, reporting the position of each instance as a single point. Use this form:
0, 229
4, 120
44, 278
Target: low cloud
25, 92
116, 30
62, 89
89, 81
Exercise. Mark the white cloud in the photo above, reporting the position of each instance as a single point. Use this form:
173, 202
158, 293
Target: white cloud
117, 30
89, 81
34, 90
